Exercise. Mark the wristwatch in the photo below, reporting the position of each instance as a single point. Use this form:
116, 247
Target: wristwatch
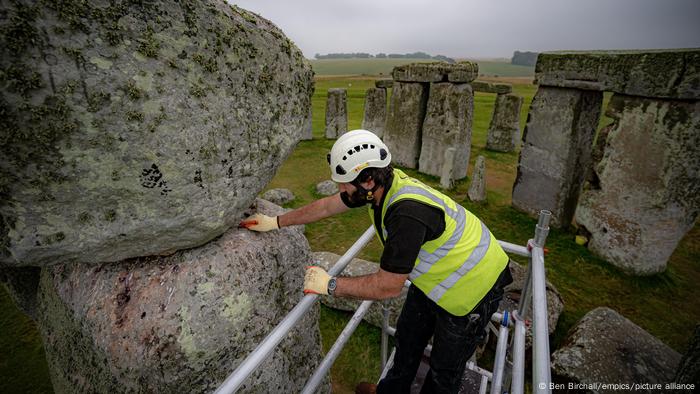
332, 283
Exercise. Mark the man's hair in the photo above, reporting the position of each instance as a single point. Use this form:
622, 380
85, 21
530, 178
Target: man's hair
381, 176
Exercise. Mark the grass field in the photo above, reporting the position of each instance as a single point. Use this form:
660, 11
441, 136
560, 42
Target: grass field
666, 305
383, 67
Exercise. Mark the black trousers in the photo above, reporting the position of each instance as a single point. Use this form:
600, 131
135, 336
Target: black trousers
454, 340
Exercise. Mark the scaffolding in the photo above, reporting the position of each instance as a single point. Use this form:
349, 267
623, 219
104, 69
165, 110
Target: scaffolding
508, 374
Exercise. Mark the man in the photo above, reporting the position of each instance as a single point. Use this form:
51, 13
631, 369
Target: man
456, 267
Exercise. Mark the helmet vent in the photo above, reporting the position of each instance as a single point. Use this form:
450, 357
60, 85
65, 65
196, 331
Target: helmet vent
382, 154
340, 170
364, 146
350, 152
357, 148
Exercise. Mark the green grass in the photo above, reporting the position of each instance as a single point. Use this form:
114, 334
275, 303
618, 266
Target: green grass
383, 67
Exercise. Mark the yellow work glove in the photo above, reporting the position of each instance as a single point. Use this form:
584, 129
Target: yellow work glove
316, 281
260, 222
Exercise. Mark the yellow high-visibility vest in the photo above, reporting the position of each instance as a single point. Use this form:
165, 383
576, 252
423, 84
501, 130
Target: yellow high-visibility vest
458, 268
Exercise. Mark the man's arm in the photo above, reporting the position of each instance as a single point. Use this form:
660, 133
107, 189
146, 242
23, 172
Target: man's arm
317, 210
377, 286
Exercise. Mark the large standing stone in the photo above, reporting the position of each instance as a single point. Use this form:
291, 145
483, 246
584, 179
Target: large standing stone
405, 122
180, 323
644, 194
504, 131
336, 113
447, 124
556, 151
124, 123
605, 347
665, 73
477, 187
375, 111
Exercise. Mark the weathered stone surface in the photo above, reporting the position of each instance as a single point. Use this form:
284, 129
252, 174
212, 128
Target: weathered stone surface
358, 267
556, 151
327, 188
605, 347
461, 72
663, 73
21, 284
336, 113
504, 131
278, 196
689, 368
125, 123
448, 123
447, 176
488, 87
644, 192
405, 122
307, 133
477, 187
375, 111
180, 323
384, 83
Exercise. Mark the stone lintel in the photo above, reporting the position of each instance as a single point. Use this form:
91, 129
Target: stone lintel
488, 87
462, 72
649, 73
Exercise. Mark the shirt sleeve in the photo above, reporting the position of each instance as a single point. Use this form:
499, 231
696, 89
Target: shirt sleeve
409, 225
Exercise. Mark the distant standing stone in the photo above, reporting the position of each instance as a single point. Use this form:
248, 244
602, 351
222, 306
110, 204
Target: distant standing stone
504, 131
447, 124
327, 188
477, 189
278, 196
375, 111
447, 177
405, 122
307, 132
336, 113
384, 83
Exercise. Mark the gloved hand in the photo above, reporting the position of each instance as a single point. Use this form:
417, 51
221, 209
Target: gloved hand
316, 281
260, 222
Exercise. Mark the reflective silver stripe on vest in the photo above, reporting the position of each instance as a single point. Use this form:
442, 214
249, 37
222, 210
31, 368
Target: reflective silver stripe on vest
474, 258
427, 259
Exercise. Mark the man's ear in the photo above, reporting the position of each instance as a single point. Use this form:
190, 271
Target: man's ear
368, 184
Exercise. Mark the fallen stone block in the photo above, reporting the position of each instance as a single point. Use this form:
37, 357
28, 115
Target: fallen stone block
605, 347
488, 87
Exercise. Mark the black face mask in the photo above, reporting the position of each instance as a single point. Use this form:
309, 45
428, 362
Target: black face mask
354, 200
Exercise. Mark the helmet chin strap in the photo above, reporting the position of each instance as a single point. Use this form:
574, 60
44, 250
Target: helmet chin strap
366, 195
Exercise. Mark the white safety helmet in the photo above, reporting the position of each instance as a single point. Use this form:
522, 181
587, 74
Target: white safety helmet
353, 152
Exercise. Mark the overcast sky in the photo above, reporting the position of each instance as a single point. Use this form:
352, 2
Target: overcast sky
481, 28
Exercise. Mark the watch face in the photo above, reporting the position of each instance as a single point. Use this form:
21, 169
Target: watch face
331, 285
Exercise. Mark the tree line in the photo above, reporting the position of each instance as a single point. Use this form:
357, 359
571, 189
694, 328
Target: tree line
363, 55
